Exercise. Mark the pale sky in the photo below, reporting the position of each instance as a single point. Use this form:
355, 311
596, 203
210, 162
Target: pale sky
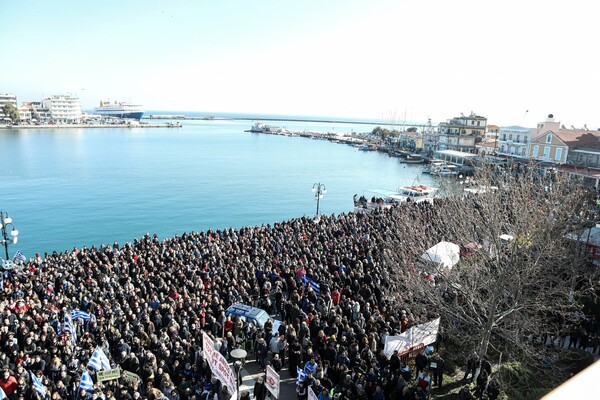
363, 59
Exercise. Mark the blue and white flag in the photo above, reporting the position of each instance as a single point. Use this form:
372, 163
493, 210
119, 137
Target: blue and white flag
314, 285
80, 314
38, 386
2, 394
99, 361
19, 256
68, 325
86, 381
301, 376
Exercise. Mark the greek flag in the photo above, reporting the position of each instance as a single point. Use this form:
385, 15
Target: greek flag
86, 381
99, 361
2, 394
19, 256
81, 315
68, 325
37, 384
314, 285
301, 376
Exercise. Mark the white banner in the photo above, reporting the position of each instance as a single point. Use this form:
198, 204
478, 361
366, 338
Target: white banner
272, 381
311, 394
418, 335
218, 365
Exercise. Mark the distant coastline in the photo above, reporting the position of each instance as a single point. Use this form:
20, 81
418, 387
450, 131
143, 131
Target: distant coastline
275, 119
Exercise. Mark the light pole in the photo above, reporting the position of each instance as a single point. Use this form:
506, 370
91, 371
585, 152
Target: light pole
319, 190
5, 221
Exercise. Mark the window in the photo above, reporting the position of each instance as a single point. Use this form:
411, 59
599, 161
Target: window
549, 138
536, 150
558, 154
472, 122
546, 152
518, 138
510, 137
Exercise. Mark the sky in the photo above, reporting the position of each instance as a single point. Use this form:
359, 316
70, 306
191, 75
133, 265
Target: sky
512, 61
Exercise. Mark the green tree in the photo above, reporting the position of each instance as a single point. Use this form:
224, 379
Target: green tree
11, 111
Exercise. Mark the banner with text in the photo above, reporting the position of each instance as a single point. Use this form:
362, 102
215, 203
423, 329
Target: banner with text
311, 394
273, 381
218, 365
415, 337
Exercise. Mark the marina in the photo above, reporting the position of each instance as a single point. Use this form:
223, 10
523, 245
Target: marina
107, 184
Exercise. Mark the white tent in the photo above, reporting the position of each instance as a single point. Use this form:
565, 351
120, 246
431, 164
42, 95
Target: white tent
445, 254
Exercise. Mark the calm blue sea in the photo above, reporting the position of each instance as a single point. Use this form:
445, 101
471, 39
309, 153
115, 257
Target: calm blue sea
74, 187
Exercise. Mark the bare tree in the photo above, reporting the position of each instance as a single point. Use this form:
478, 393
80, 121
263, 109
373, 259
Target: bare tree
523, 276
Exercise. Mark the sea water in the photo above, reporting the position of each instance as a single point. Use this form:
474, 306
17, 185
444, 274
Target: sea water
66, 188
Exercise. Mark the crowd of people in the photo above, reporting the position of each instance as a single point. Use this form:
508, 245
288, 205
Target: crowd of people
149, 300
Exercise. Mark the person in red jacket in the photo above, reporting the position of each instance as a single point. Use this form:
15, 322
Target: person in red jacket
335, 297
8, 383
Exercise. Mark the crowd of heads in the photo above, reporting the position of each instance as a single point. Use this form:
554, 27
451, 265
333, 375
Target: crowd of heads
150, 300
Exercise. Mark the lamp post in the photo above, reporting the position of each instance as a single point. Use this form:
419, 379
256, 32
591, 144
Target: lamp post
5, 221
319, 190
239, 355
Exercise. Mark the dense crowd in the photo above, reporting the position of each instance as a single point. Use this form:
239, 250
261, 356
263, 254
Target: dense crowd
149, 301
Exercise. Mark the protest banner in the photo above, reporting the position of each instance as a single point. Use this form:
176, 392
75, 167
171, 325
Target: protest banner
218, 365
272, 381
311, 394
108, 375
131, 377
416, 337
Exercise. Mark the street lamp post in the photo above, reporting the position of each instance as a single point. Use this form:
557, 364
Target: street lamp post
319, 190
5, 221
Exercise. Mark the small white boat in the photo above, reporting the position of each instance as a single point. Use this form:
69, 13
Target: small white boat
447, 170
433, 166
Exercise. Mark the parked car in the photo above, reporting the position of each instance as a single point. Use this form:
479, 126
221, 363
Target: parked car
253, 315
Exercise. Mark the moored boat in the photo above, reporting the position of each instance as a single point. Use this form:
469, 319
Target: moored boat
412, 159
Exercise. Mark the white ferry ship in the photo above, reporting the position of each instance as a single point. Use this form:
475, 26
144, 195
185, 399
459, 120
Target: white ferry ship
119, 110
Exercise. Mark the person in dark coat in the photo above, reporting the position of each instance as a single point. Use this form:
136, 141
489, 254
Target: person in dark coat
472, 365
421, 362
260, 390
436, 366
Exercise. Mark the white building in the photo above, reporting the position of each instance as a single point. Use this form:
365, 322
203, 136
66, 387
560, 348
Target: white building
65, 109
514, 141
6, 98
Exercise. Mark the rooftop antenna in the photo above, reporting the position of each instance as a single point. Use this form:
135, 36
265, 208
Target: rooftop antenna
585, 127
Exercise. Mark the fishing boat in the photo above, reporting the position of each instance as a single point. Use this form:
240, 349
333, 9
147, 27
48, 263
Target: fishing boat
412, 159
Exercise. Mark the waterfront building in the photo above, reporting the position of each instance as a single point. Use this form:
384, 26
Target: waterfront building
6, 98
39, 112
63, 109
25, 112
462, 133
583, 157
513, 141
548, 147
487, 146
